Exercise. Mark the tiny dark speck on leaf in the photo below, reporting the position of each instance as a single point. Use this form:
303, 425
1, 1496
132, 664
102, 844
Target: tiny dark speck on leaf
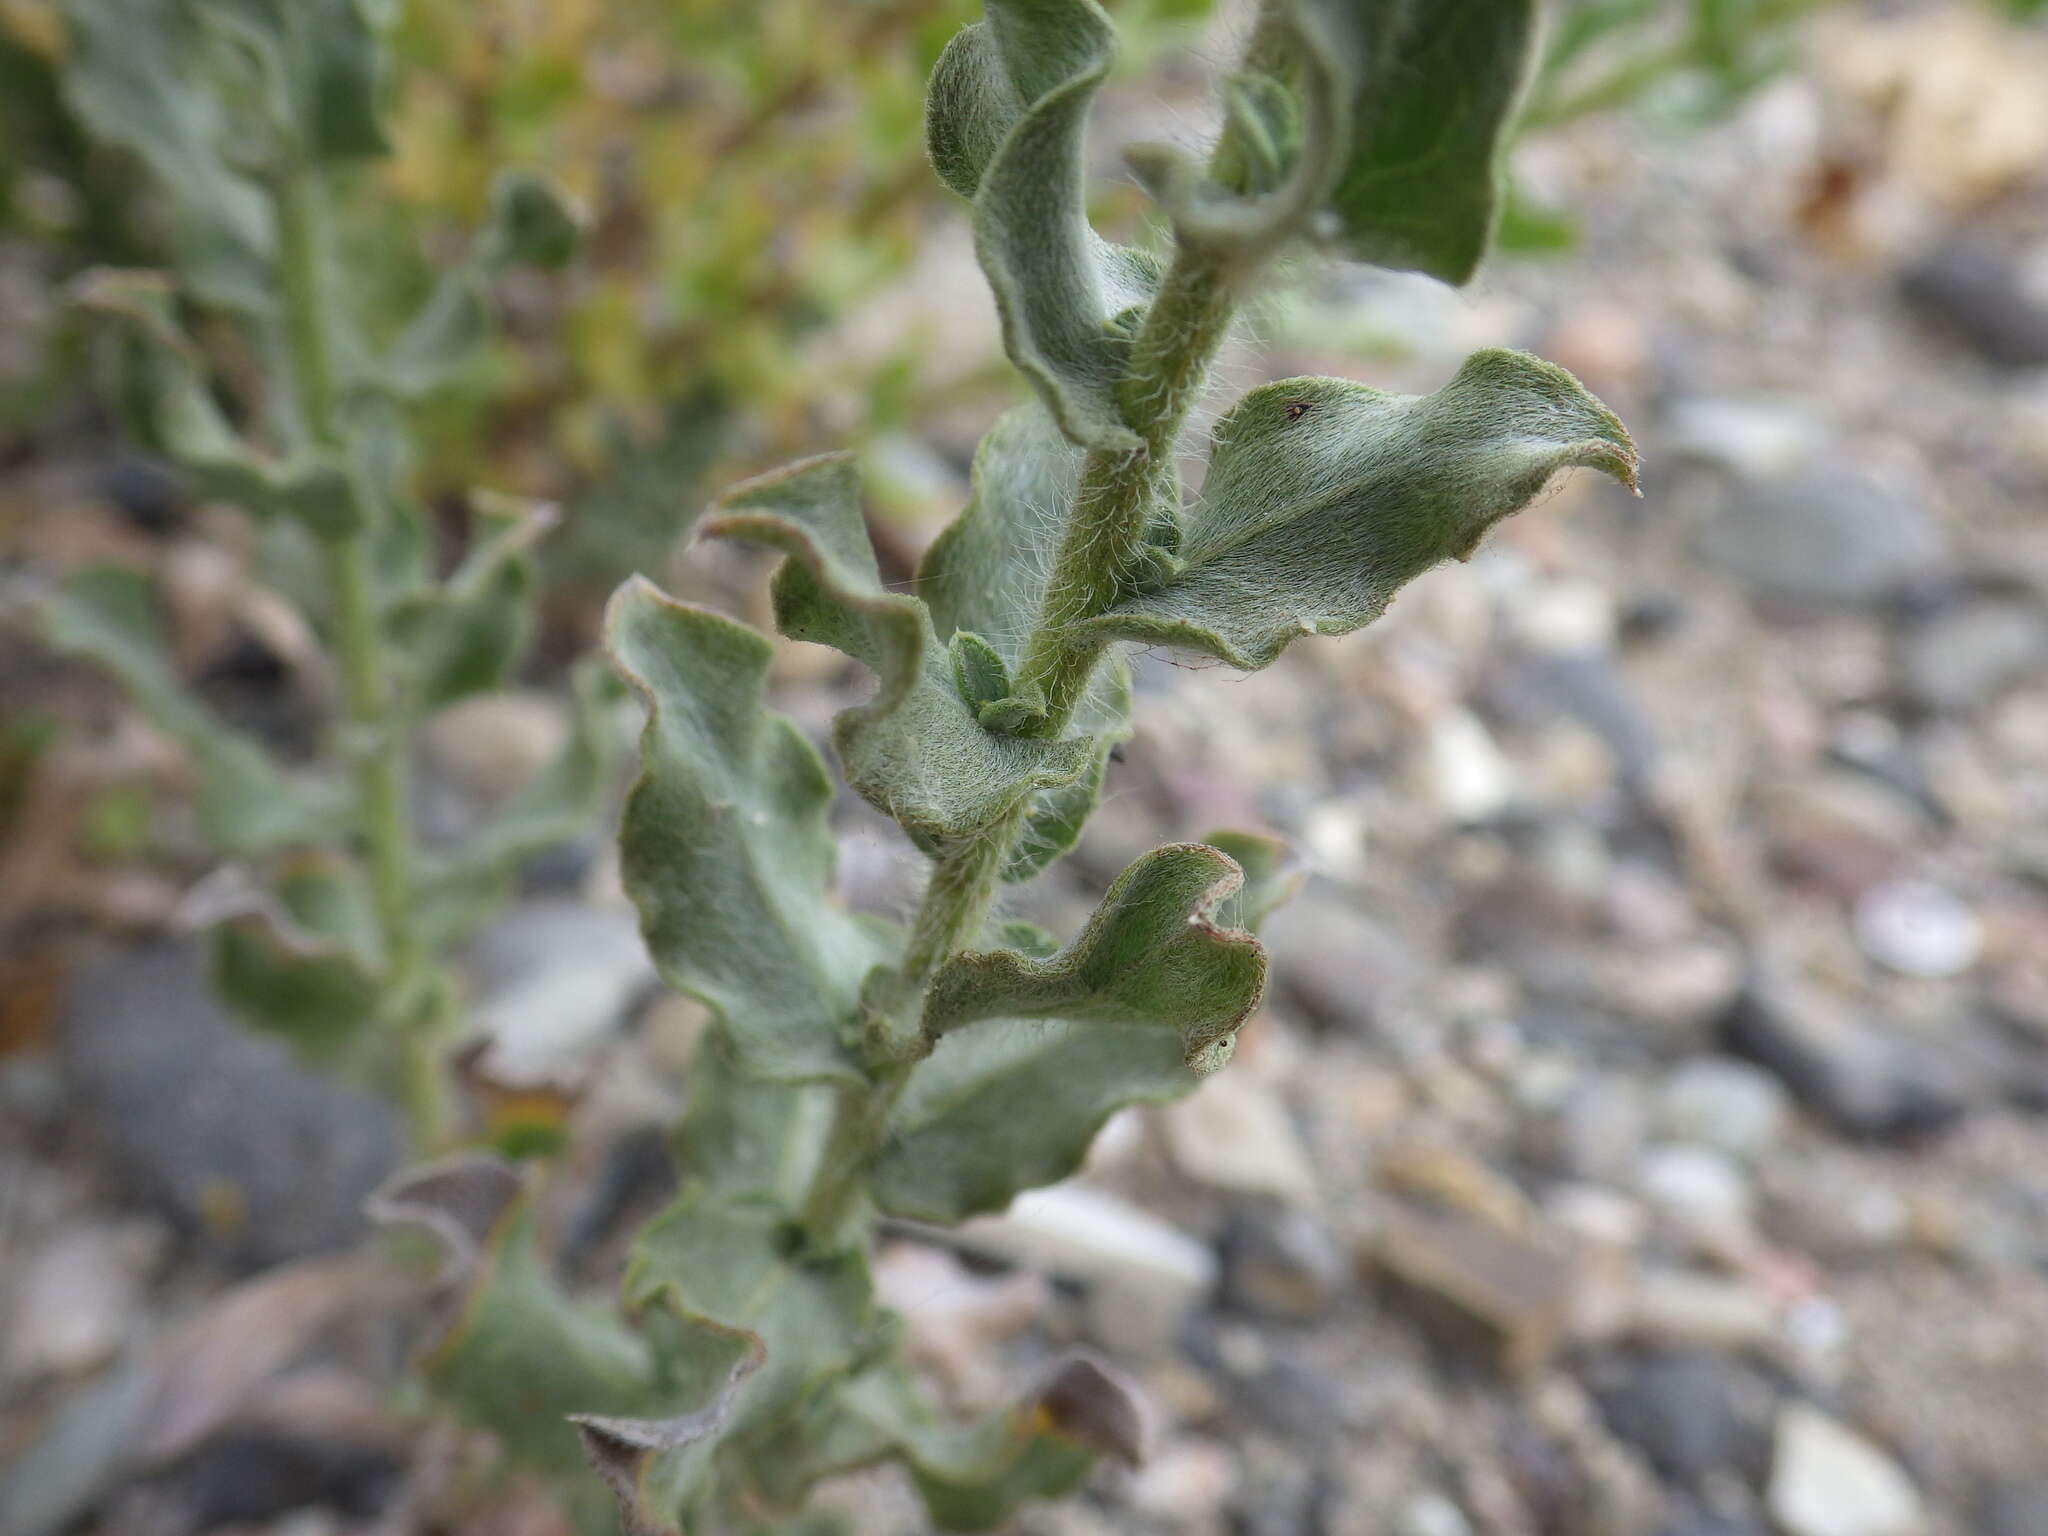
1297, 409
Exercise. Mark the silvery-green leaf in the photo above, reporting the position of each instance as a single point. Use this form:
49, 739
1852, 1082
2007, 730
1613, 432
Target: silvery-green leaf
246, 802
162, 385
915, 750
135, 72
726, 850
1005, 122
1374, 127
1324, 497
986, 574
749, 1140
1035, 1052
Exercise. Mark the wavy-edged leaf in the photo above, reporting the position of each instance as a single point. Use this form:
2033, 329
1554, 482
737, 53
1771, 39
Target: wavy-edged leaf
162, 386
1034, 1053
915, 750
985, 575
726, 850
1375, 127
246, 802
748, 1140
1005, 123
738, 1269
1324, 497
515, 1354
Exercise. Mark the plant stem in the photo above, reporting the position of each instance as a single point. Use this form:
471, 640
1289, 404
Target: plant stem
1103, 551
371, 738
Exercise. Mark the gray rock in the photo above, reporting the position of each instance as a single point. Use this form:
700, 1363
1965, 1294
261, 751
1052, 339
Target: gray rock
1826, 536
1863, 1081
1282, 1262
1826, 1480
1755, 437
1964, 655
2015, 1509
1976, 295
1691, 1412
215, 1126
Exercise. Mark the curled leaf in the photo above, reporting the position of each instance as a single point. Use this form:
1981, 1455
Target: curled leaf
1324, 497
302, 960
727, 854
1374, 127
1005, 121
1090, 1402
1035, 1052
915, 750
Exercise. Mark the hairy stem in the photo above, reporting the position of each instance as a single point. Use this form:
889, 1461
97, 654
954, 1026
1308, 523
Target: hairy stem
1103, 551
371, 737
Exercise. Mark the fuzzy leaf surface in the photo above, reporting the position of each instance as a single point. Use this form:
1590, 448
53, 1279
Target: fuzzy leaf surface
1324, 497
1034, 1053
726, 850
1005, 123
916, 750
246, 802
985, 575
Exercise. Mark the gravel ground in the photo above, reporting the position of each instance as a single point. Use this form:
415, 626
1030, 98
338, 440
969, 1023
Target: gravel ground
1644, 1135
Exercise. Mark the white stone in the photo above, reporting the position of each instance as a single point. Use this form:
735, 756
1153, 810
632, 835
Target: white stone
1723, 1103
1431, 1514
1235, 1133
1827, 1480
1145, 1273
1676, 1306
1701, 1190
1918, 929
1471, 778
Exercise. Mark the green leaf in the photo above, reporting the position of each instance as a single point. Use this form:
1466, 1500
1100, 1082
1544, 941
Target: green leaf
303, 963
518, 1356
737, 1270
531, 223
320, 61
465, 635
161, 382
246, 803
1005, 123
986, 575
915, 750
725, 846
135, 73
1034, 1053
1374, 127
1324, 497
748, 1140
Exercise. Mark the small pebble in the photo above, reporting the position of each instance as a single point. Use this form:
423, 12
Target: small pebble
1918, 928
